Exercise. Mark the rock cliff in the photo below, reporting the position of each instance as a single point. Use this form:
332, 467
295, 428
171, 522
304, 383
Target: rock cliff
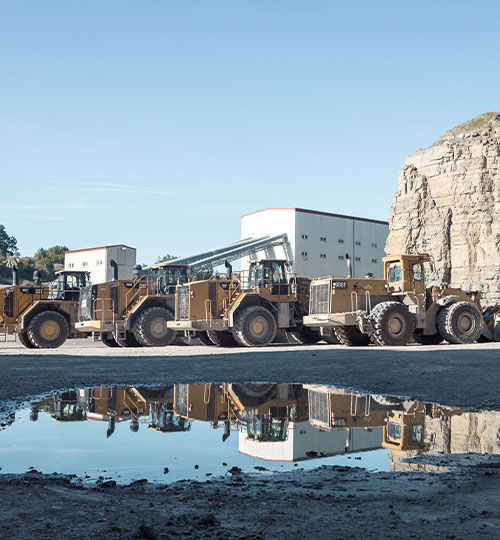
448, 205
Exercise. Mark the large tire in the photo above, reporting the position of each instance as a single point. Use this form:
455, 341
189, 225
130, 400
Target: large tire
48, 330
150, 327
351, 336
109, 340
204, 339
460, 323
331, 339
222, 338
129, 341
25, 340
435, 339
254, 326
392, 324
304, 335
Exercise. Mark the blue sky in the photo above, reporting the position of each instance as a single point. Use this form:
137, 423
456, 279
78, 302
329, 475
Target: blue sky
159, 123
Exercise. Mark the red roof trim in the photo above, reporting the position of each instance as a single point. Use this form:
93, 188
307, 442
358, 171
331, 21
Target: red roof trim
98, 248
319, 213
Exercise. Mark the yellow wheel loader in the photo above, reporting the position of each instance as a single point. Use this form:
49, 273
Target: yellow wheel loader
398, 308
42, 316
247, 308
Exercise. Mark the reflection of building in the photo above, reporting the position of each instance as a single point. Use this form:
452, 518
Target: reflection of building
96, 261
306, 442
318, 241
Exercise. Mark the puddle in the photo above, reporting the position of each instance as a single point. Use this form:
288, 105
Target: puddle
186, 432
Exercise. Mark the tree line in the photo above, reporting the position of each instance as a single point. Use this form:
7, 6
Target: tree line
47, 260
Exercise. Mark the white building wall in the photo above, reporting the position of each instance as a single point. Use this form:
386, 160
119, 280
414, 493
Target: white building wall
320, 241
96, 261
303, 438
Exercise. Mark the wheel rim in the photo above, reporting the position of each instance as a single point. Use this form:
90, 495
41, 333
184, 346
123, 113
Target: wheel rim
396, 325
258, 327
466, 323
50, 330
158, 328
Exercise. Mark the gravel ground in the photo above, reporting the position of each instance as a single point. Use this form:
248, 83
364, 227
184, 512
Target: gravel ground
331, 502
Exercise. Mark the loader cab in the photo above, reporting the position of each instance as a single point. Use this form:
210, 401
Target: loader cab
171, 275
270, 274
405, 273
67, 285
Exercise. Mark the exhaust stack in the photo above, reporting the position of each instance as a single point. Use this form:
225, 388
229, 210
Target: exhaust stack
137, 269
349, 265
229, 269
15, 276
37, 278
114, 266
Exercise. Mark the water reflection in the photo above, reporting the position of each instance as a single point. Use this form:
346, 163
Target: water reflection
285, 422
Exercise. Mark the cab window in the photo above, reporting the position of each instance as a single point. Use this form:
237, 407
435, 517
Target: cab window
395, 273
416, 272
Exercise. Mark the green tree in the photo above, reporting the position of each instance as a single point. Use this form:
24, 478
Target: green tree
45, 259
8, 244
166, 257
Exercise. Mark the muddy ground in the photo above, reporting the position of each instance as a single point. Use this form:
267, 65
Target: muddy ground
330, 502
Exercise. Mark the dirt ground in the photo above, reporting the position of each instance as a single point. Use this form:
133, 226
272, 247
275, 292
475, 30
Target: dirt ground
329, 502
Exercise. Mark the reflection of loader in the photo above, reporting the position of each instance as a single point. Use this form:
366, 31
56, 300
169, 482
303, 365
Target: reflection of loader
64, 407
42, 316
392, 310
332, 408
247, 308
407, 427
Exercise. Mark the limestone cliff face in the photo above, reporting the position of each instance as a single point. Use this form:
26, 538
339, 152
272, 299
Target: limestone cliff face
448, 205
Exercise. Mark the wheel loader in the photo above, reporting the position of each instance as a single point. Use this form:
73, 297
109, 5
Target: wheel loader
247, 308
398, 308
42, 316
132, 312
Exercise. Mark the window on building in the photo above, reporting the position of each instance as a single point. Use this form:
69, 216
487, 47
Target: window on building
357, 243
374, 244
304, 254
358, 259
341, 257
98, 262
322, 238
84, 263
374, 261
322, 255
304, 237
341, 241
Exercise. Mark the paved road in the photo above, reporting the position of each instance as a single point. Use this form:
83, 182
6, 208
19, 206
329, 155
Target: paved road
466, 376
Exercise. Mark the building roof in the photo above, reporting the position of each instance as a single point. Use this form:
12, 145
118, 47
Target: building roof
317, 212
101, 247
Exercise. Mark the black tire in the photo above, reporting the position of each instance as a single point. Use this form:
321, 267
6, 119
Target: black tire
392, 324
129, 341
150, 327
48, 330
331, 339
435, 339
222, 338
25, 340
204, 339
109, 340
460, 323
304, 335
351, 336
254, 326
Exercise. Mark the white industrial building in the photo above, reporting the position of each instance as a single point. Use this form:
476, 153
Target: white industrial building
319, 241
97, 261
